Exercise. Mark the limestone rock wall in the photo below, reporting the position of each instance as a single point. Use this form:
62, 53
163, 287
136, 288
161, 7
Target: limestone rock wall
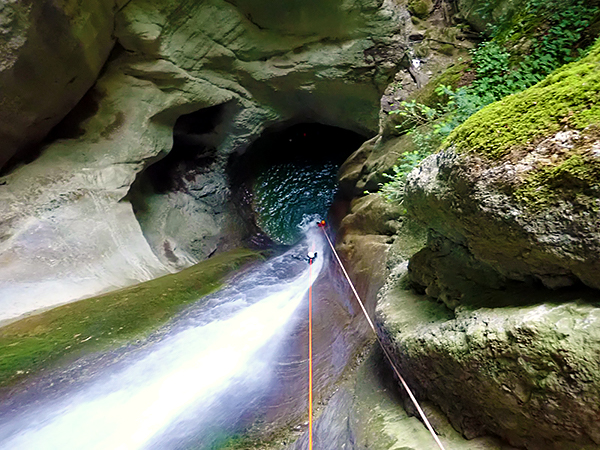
67, 227
526, 371
52, 52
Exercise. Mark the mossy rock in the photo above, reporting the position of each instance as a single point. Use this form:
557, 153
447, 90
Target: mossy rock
420, 8
569, 97
573, 175
446, 49
528, 374
108, 320
454, 76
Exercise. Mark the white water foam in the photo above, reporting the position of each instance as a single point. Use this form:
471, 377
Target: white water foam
182, 375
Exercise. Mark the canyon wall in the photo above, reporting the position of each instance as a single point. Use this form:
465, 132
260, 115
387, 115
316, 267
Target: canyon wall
67, 226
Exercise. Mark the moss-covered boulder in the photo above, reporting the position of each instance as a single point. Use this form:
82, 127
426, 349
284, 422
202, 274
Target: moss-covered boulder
517, 184
420, 8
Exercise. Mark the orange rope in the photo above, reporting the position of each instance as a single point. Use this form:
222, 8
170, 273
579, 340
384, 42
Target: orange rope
389, 357
310, 368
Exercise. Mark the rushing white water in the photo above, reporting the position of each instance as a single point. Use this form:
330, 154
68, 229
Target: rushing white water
198, 375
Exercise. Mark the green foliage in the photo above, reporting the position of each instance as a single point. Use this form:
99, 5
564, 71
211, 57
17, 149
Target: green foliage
491, 62
568, 97
462, 104
500, 73
554, 29
393, 190
414, 114
452, 76
546, 19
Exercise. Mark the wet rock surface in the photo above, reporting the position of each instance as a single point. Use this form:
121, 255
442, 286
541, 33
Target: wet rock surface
500, 332
281, 403
366, 411
524, 373
498, 357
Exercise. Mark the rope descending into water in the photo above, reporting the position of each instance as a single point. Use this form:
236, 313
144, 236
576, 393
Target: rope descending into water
310, 367
396, 371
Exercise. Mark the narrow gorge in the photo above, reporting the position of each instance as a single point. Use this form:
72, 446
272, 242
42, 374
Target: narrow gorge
163, 169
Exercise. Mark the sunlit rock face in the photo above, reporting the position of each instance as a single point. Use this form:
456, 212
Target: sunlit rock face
68, 228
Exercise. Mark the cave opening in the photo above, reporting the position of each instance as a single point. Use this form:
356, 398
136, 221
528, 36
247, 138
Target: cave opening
180, 201
288, 177
195, 139
200, 198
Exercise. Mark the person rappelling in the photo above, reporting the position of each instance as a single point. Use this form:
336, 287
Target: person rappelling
312, 255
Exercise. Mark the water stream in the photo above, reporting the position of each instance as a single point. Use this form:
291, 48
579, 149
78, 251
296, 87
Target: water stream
189, 387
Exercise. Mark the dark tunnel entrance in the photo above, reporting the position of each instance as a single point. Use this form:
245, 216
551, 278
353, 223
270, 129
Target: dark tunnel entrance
195, 138
201, 199
288, 177
182, 200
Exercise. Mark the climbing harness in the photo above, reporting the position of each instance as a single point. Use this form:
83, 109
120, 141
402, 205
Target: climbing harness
388, 356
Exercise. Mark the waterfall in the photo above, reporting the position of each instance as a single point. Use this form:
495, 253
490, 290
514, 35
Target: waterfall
191, 385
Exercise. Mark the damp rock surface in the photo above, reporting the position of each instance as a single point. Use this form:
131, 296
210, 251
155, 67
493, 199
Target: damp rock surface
517, 184
525, 373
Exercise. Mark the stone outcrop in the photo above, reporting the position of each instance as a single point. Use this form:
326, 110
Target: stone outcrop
365, 412
526, 373
52, 52
471, 202
504, 341
68, 229
518, 183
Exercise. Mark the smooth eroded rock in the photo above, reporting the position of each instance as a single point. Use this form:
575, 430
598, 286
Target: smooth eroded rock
52, 52
172, 60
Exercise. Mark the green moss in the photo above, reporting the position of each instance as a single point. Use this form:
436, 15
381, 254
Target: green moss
446, 49
108, 320
575, 179
420, 8
567, 97
415, 20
